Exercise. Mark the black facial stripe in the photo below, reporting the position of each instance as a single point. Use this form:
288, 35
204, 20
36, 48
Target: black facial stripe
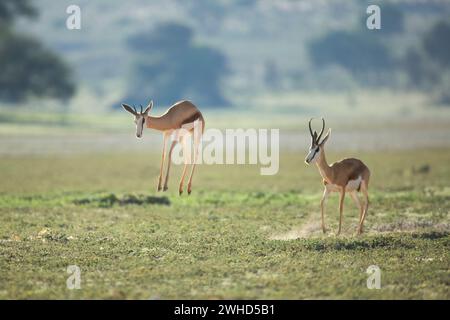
315, 151
141, 124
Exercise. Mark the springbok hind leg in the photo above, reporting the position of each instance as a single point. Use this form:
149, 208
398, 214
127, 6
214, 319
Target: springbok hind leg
366, 206
196, 146
358, 204
341, 209
186, 157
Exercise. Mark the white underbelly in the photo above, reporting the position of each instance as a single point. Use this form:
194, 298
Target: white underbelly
352, 185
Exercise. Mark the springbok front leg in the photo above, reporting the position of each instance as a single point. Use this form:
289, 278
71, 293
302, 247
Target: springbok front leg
341, 208
366, 206
174, 142
326, 193
163, 158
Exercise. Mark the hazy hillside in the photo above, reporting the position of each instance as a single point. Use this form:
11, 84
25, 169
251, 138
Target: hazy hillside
250, 32
256, 37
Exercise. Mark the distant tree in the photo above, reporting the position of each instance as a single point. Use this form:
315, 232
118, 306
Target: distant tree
167, 36
414, 65
437, 44
427, 63
354, 51
169, 66
11, 9
27, 67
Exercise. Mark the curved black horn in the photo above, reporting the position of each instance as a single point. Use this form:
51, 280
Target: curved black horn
321, 131
310, 130
141, 109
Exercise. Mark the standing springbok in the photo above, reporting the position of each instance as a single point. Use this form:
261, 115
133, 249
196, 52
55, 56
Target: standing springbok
180, 120
350, 175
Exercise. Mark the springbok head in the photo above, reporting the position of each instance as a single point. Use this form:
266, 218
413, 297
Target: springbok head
139, 117
316, 145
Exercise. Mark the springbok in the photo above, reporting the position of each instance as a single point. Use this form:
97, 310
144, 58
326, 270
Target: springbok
180, 120
350, 175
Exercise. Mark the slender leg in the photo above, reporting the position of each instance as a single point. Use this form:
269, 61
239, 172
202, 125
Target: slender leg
366, 206
196, 145
341, 209
358, 204
326, 193
186, 155
168, 164
165, 136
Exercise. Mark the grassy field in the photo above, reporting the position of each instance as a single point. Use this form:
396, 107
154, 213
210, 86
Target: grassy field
239, 235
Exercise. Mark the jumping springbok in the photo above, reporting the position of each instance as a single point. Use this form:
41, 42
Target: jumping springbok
180, 120
350, 175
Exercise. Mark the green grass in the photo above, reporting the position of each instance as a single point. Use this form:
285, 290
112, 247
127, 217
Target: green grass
238, 235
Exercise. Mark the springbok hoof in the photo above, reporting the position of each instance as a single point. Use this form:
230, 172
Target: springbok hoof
159, 188
189, 191
180, 192
165, 188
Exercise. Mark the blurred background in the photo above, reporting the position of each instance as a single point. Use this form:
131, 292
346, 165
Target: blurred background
244, 63
78, 189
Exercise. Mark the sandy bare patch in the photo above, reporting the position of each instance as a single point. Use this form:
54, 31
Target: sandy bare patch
307, 230
313, 229
405, 225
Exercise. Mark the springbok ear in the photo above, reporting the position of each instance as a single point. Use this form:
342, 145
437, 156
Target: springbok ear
149, 107
326, 137
128, 108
